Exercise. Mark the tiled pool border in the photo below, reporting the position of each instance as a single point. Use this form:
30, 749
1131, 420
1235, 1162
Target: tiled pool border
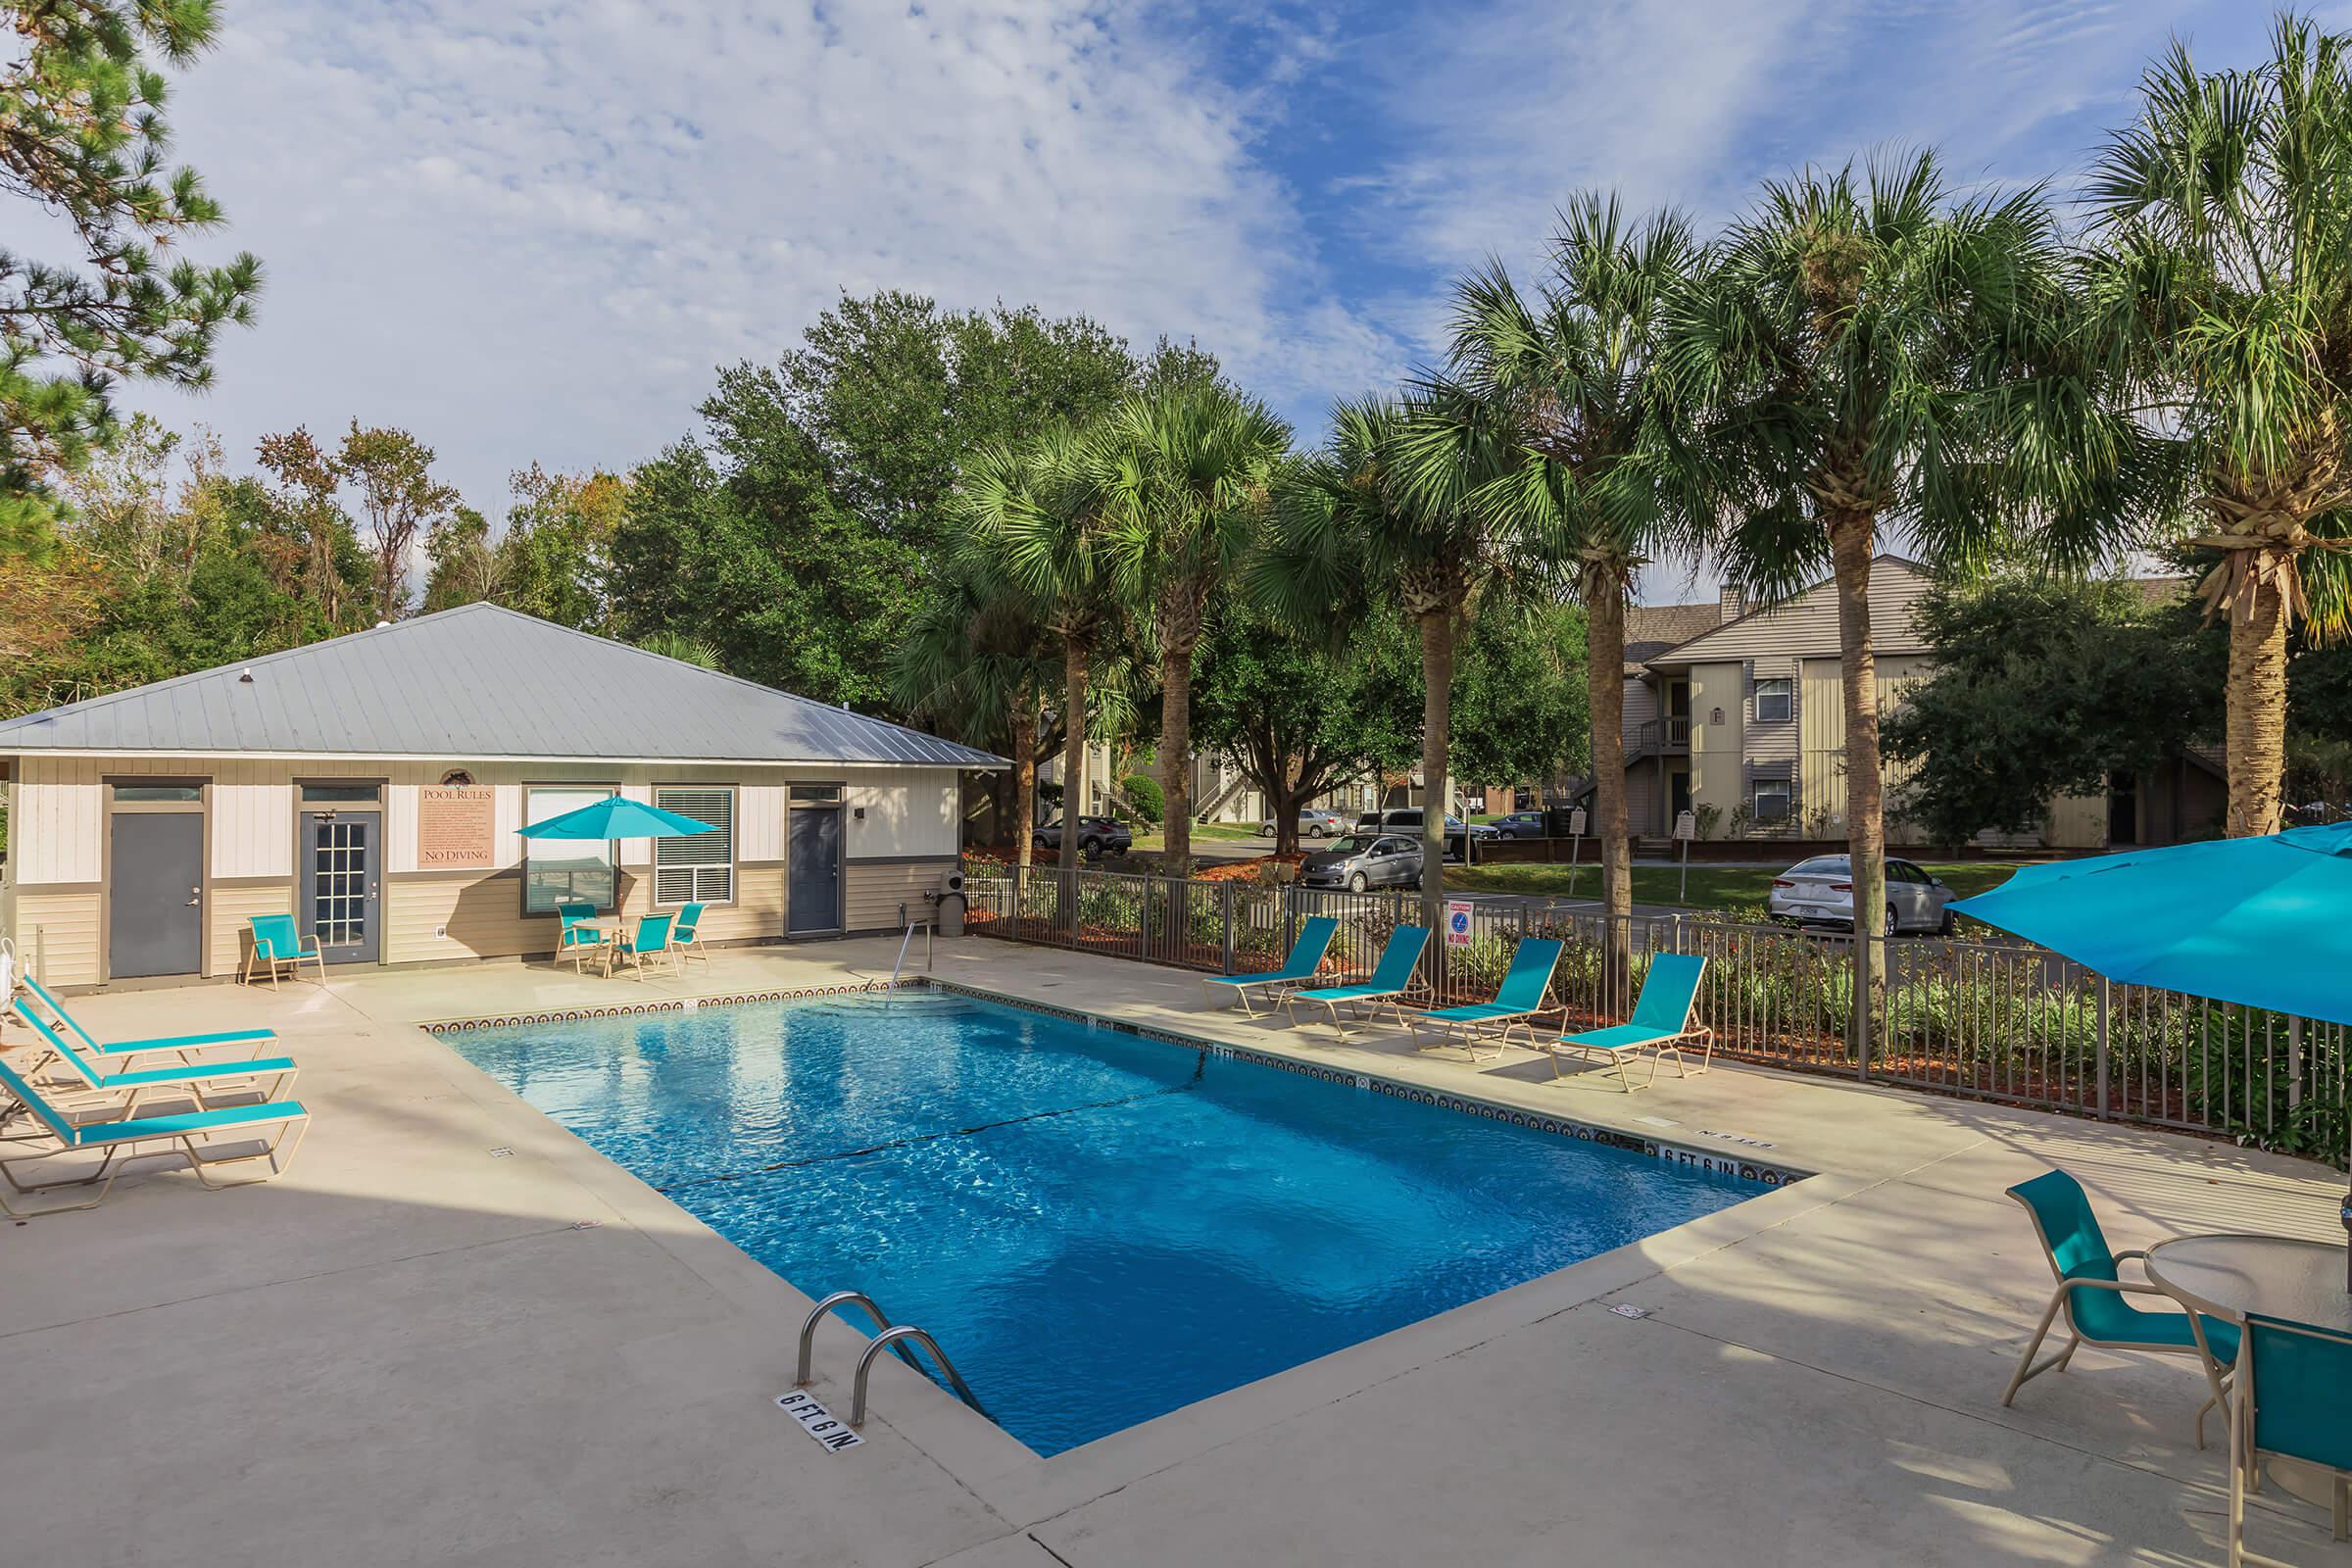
1659, 1149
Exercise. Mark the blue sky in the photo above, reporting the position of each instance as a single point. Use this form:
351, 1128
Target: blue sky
531, 232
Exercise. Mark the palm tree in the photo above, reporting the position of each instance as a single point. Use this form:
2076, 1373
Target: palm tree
1185, 476
2225, 278
1865, 346
977, 661
1036, 511
1393, 507
1607, 476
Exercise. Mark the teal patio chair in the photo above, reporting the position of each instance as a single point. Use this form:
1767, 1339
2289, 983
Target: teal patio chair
115, 1054
278, 944
206, 1083
1660, 1024
1395, 977
575, 939
1299, 969
645, 947
2096, 1303
684, 945
2294, 1388
278, 1124
1517, 1000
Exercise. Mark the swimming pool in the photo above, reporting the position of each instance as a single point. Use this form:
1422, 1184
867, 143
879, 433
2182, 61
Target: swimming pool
1098, 1227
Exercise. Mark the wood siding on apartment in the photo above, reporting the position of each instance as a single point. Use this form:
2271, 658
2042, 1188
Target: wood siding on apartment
1806, 625
1718, 751
1821, 722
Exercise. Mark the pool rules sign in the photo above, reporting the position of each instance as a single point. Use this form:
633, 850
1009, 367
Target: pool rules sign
1457, 923
454, 827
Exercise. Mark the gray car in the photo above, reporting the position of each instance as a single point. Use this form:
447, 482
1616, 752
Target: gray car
1364, 861
1520, 825
1313, 824
1821, 892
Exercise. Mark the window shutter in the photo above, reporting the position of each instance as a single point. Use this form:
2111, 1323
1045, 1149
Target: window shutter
698, 867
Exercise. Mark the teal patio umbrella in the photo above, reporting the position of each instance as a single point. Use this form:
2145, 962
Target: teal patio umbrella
2263, 922
617, 817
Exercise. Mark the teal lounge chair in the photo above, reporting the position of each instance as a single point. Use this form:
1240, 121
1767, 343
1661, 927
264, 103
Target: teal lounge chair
113, 1056
1299, 969
278, 945
2294, 1383
648, 945
1517, 1000
1661, 1022
204, 1081
189, 1135
1391, 979
574, 940
2097, 1300
684, 946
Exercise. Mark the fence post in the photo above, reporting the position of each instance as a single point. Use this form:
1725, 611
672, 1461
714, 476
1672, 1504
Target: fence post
2105, 1012
1860, 1007
1290, 918
2294, 1063
1225, 922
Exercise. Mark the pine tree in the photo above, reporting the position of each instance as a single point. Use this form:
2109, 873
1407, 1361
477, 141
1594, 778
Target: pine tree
82, 108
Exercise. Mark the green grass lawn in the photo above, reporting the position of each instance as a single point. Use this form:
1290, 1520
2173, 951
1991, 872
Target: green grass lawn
1711, 887
1156, 840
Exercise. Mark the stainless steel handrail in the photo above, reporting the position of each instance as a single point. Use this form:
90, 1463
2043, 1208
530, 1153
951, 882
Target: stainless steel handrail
906, 941
816, 1315
890, 1337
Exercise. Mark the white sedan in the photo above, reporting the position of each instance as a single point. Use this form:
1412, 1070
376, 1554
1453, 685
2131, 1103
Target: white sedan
1821, 892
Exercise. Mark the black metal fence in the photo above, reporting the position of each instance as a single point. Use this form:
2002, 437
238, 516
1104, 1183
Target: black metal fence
1995, 1021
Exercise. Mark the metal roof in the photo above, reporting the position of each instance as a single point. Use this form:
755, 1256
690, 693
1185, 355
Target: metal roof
478, 681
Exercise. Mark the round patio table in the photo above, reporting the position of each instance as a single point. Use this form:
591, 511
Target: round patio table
2277, 1276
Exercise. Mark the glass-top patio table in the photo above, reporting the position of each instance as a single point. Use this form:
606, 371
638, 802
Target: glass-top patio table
2277, 1276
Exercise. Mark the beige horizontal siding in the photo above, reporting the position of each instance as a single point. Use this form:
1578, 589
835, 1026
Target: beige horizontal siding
57, 936
874, 889
1806, 625
228, 914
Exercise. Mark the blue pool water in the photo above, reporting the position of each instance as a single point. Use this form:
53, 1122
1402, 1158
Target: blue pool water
1099, 1228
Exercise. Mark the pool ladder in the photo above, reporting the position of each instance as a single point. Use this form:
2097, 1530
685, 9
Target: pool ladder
889, 1336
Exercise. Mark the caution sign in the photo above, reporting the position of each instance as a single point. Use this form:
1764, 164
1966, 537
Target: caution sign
1457, 922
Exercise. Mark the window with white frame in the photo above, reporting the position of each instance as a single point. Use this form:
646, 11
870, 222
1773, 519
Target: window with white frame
1774, 699
557, 871
698, 867
1769, 802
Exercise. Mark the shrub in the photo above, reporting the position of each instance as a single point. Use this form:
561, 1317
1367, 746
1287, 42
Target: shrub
1143, 794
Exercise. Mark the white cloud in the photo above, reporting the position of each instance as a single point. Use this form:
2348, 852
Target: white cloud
532, 234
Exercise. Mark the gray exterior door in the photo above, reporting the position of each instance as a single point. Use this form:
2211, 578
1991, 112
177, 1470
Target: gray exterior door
338, 901
155, 896
812, 896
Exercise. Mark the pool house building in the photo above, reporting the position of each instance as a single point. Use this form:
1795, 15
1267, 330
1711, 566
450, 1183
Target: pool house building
375, 786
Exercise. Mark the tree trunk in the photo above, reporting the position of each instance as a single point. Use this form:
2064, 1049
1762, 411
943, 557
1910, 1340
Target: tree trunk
1850, 542
1176, 757
1023, 815
2256, 725
1286, 802
1437, 716
1604, 677
1073, 772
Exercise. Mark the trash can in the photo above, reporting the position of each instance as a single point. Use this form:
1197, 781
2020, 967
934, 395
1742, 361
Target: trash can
951, 914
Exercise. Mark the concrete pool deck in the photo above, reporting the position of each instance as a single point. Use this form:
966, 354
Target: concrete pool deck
454, 1334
